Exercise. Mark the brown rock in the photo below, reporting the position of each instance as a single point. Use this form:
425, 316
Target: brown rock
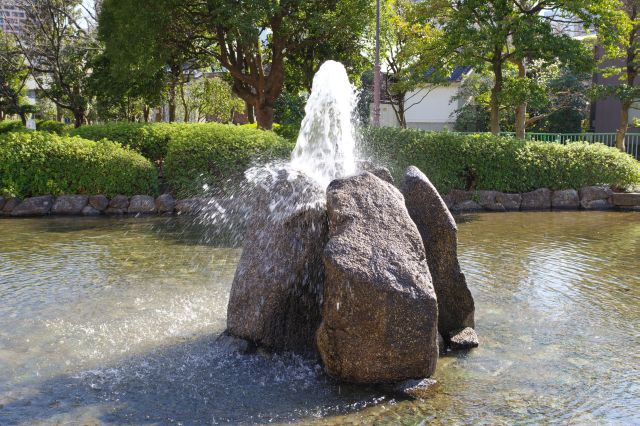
488, 201
594, 193
467, 206
34, 206
540, 199
415, 389
2, 201
9, 205
165, 204
440, 237
566, 199
99, 202
276, 294
118, 205
69, 204
628, 199
379, 317
90, 211
597, 205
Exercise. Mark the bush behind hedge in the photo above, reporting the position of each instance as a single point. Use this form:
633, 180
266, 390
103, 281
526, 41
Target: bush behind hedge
487, 162
38, 163
215, 153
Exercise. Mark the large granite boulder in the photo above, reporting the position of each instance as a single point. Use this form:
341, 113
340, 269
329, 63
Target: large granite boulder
34, 206
379, 316
118, 205
165, 203
511, 202
565, 199
69, 204
276, 295
540, 199
99, 202
596, 198
9, 205
440, 237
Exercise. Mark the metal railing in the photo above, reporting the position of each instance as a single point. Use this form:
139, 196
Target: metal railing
632, 140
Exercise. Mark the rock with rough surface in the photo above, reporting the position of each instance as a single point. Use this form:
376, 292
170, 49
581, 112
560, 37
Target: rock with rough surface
9, 205
540, 199
2, 201
276, 294
142, 204
488, 200
439, 234
118, 205
99, 202
165, 204
34, 206
566, 199
626, 199
463, 339
467, 206
511, 202
415, 389
379, 316
187, 206
89, 210
69, 204
589, 194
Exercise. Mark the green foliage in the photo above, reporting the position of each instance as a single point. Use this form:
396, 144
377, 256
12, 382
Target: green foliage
150, 140
214, 153
209, 99
53, 126
487, 162
8, 126
38, 163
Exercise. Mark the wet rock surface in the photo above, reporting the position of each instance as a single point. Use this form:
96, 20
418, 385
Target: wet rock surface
69, 204
379, 317
439, 234
142, 204
165, 203
465, 338
34, 206
414, 389
276, 295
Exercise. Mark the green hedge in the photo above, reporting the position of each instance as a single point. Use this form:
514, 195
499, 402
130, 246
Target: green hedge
150, 140
214, 153
7, 126
484, 161
38, 163
54, 127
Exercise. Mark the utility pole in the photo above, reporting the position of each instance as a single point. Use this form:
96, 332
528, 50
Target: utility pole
376, 72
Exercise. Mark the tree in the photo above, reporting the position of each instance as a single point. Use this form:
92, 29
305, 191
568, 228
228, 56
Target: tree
624, 63
492, 34
13, 80
253, 40
58, 41
209, 99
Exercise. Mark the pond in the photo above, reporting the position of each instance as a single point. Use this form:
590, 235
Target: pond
111, 321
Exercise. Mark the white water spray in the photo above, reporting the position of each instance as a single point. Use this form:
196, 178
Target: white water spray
325, 149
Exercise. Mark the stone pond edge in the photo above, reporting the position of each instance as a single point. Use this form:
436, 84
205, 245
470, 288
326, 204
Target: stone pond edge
596, 198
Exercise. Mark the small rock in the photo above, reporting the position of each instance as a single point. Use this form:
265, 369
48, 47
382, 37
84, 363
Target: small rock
234, 344
143, 204
540, 199
567, 199
416, 389
626, 199
511, 202
99, 202
465, 338
90, 211
165, 204
9, 205
69, 204
34, 206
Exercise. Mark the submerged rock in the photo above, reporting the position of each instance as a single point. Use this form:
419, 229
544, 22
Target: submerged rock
439, 234
415, 389
379, 317
465, 338
276, 294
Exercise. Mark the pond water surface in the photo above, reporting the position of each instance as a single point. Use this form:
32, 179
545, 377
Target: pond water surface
114, 321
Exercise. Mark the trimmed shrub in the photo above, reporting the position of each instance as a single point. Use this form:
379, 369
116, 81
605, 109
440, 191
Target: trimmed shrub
150, 140
484, 161
38, 163
7, 126
54, 127
215, 153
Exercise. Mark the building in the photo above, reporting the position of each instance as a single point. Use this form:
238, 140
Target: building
12, 19
429, 107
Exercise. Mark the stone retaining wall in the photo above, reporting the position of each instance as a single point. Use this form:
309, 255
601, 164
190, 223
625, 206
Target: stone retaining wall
589, 198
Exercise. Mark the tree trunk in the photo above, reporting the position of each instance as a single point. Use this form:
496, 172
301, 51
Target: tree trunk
172, 104
250, 112
521, 110
264, 117
145, 113
624, 126
23, 118
58, 113
496, 90
78, 117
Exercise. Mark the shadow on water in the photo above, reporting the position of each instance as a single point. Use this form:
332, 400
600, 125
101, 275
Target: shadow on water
198, 381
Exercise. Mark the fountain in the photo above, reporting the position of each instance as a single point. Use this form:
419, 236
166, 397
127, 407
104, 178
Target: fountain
336, 264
